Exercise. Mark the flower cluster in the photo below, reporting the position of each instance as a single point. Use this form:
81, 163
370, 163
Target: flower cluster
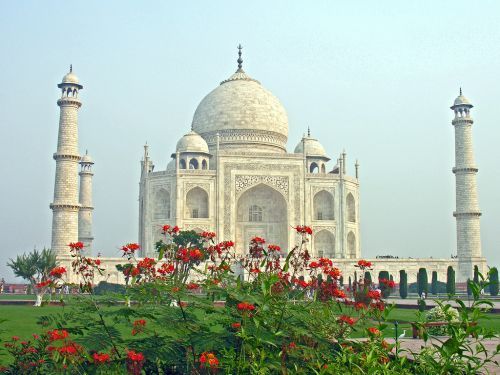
208, 359
387, 283
139, 326
303, 229
130, 249
245, 306
364, 264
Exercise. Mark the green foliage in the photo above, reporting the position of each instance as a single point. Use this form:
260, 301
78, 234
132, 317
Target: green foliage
33, 266
403, 284
368, 277
187, 238
384, 288
441, 287
476, 274
422, 281
450, 281
421, 305
493, 285
104, 287
469, 290
434, 283
441, 313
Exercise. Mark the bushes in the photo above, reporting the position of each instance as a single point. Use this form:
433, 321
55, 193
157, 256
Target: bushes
403, 284
434, 283
422, 281
493, 281
441, 314
450, 281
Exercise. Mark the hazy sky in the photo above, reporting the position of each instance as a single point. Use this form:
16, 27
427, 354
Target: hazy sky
375, 78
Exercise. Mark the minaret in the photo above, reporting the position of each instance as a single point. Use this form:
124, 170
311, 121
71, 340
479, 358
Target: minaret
65, 205
467, 211
86, 208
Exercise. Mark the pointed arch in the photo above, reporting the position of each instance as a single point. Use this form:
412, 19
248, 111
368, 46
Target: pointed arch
197, 203
204, 164
313, 167
323, 206
351, 245
351, 208
324, 244
162, 204
193, 164
182, 164
261, 211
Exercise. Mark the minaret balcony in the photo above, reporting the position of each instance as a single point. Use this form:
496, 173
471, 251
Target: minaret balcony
467, 214
465, 169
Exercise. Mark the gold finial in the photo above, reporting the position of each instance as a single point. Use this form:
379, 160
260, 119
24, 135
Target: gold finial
240, 60
71, 68
460, 91
308, 131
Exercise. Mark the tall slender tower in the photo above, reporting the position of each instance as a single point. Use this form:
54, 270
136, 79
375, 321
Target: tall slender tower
467, 208
65, 205
86, 208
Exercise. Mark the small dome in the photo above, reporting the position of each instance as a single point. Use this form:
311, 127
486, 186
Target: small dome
70, 78
313, 147
192, 142
86, 159
461, 100
171, 165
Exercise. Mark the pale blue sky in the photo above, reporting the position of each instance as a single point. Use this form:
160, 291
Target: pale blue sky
375, 78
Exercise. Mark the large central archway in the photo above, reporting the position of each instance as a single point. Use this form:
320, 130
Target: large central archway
261, 211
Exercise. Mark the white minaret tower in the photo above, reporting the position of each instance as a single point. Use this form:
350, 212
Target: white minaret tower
65, 205
86, 208
467, 212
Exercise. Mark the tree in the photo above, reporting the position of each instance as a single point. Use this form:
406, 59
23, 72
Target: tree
383, 278
35, 267
368, 277
350, 283
422, 281
469, 290
450, 281
403, 284
476, 275
493, 281
434, 283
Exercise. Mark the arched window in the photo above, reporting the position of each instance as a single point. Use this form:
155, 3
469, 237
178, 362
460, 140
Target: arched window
351, 245
313, 168
204, 164
162, 205
323, 168
323, 206
197, 203
351, 208
255, 213
324, 244
193, 164
182, 164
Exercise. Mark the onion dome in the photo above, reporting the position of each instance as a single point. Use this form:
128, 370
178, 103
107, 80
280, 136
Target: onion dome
192, 142
244, 114
171, 165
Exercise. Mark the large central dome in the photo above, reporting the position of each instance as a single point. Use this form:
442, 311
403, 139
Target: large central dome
246, 116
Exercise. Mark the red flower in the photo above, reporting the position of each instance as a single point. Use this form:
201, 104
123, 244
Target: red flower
134, 356
76, 245
373, 331
166, 268
195, 254
258, 240
274, 248
57, 334
364, 264
70, 349
292, 345
255, 270
244, 306
140, 322
130, 248
100, 358
236, 325
207, 235
192, 286
210, 359
42, 284
347, 319
57, 272
314, 265
303, 229
165, 228
373, 294
15, 338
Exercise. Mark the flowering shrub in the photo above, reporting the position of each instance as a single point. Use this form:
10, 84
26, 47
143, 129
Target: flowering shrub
202, 308
441, 313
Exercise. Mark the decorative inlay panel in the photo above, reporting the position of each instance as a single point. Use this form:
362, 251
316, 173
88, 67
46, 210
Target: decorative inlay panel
244, 182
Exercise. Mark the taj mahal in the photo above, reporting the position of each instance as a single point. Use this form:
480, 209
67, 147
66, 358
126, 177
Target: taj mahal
232, 173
